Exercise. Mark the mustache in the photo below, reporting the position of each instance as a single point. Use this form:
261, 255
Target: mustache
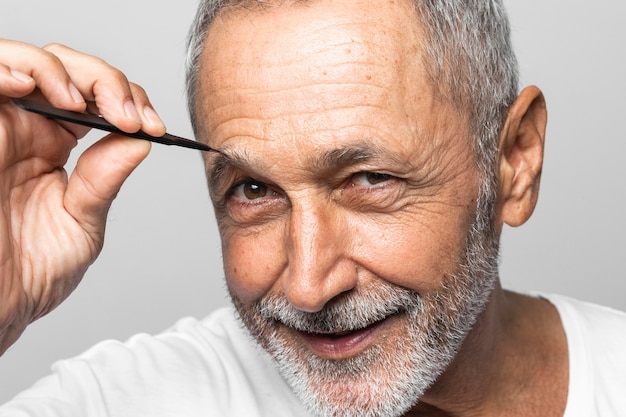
348, 312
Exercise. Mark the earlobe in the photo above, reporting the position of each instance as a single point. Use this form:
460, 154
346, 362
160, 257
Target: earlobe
520, 155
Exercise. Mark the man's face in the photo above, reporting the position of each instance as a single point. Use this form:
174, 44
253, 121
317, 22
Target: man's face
345, 196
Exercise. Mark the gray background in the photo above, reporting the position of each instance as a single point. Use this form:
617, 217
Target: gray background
161, 259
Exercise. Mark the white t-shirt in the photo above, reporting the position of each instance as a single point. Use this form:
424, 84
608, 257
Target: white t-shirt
596, 338
211, 368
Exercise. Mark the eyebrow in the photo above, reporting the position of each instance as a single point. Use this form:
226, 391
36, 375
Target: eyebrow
223, 161
344, 156
336, 158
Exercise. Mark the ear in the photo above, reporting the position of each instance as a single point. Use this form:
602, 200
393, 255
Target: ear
520, 154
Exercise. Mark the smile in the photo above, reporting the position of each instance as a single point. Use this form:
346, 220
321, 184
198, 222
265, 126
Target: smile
342, 345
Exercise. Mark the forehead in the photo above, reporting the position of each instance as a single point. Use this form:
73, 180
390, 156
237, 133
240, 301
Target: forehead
300, 70
285, 46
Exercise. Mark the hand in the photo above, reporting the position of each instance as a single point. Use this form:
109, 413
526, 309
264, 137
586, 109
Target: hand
52, 227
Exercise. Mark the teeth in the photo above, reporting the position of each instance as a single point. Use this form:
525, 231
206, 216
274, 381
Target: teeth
341, 334
332, 334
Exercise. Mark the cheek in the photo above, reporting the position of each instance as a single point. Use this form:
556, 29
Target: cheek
252, 263
417, 253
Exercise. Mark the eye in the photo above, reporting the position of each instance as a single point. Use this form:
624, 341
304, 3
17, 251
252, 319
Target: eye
251, 190
371, 191
250, 203
369, 179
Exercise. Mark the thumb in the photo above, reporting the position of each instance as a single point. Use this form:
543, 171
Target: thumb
99, 174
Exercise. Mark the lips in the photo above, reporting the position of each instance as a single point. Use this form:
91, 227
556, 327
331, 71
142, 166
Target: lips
341, 345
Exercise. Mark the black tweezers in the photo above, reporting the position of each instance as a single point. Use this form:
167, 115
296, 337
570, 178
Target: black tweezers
97, 122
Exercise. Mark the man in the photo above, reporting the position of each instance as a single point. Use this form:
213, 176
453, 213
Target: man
369, 155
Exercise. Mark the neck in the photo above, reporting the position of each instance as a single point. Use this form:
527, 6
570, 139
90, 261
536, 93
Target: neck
516, 339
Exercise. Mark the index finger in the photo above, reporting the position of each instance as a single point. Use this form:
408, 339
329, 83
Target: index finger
123, 103
22, 61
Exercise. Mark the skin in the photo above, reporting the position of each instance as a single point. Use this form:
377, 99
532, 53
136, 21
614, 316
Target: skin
283, 92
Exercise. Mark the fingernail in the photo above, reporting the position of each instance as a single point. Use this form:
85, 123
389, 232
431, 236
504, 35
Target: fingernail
19, 75
152, 116
131, 111
76, 95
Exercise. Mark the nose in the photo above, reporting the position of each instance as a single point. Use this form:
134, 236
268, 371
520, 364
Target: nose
319, 268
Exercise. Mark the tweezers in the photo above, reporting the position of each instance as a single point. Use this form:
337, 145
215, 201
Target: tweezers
98, 122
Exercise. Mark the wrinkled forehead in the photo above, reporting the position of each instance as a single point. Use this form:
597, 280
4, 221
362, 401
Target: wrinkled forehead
277, 47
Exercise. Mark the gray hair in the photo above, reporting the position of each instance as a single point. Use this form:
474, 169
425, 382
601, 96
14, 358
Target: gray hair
468, 56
